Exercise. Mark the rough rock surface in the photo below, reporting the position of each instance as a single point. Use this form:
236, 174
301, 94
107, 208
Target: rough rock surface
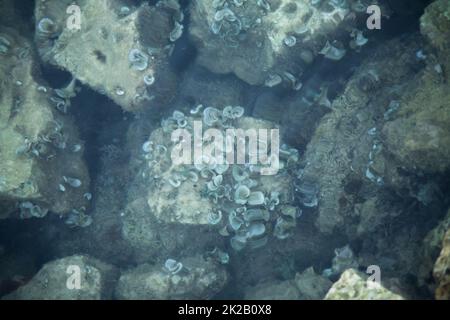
354, 286
298, 117
345, 153
118, 51
307, 285
288, 35
370, 130
442, 269
432, 246
198, 279
39, 144
200, 86
51, 282
169, 203
140, 229
435, 25
419, 136
276, 290
162, 216
311, 285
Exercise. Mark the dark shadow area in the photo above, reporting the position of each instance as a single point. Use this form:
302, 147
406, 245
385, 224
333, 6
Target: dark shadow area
25, 10
185, 52
98, 120
54, 76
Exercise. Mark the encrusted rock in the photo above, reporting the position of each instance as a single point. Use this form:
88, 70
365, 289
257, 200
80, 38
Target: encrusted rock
116, 54
345, 154
372, 214
419, 137
311, 285
199, 86
435, 25
140, 230
36, 138
441, 271
171, 201
286, 34
191, 278
54, 282
432, 246
353, 286
276, 290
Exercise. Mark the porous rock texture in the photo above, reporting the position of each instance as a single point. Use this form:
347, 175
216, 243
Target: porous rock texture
53, 281
39, 144
353, 286
198, 279
120, 51
226, 41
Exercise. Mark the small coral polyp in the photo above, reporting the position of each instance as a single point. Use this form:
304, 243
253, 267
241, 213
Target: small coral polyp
234, 199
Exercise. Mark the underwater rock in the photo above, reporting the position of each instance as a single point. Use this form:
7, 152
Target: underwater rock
143, 233
344, 258
195, 206
419, 136
174, 197
372, 214
267, 106
139, 229
199, 86
114, 55
35, 139
353, 285
431, 247
52, 282
301, 118
435, 26
298, 114
441, 271
345, 154
275, 290
259, 42
311, 285
193, 278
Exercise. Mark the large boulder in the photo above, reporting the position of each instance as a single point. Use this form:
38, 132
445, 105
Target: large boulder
274, 290
419, 137
435, 26
200, 86
41, 159
53, 281
312, 286
431, 247
194, 208
191, 278
345, 155
441, 270
236, 200
305, 286
266, 41
354, 286
117, 50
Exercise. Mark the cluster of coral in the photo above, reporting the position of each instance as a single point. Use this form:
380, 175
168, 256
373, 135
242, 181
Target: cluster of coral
358, 205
